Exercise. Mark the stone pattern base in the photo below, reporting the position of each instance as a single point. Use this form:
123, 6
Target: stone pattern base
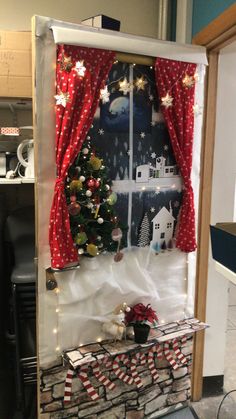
169, 392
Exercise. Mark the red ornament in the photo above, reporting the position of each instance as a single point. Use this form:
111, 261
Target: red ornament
74, 208
90, 183
73, 198
96, 183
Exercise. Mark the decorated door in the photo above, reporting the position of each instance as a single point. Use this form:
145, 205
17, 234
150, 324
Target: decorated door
118, 146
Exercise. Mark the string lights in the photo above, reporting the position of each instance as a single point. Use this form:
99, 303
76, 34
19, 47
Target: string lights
55, 330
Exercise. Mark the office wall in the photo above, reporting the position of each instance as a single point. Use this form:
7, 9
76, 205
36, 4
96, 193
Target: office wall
204, 11
136, 16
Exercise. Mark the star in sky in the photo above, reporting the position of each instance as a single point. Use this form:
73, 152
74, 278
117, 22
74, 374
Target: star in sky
167, 101
153, 155
62, 99
79, 67
101, 131
142, 135
152, 209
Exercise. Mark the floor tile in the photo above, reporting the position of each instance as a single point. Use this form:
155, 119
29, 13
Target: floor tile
207, 408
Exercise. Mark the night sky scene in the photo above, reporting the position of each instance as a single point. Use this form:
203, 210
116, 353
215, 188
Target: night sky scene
110, 138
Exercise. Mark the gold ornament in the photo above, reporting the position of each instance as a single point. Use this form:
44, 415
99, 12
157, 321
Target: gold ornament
76, 185
167, 101
81, 238
140, 83
188, 81
95, 163
92, 249
66, 63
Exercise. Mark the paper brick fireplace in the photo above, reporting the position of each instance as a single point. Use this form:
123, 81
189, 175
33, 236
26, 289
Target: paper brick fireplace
159, 375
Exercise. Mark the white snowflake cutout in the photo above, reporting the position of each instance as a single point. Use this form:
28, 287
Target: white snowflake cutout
153, 155
142, 135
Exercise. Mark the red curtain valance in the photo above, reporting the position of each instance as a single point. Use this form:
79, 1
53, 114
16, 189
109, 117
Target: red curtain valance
80, 75
176, 79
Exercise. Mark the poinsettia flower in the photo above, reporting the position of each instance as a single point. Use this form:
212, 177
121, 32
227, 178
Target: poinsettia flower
141, 314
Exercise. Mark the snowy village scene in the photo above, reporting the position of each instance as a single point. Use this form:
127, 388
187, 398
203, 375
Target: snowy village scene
130, 134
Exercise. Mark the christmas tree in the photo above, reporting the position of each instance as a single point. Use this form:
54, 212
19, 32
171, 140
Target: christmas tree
144, 234
95, 227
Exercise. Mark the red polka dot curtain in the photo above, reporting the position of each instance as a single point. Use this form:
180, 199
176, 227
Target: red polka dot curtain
80, 75
175, 83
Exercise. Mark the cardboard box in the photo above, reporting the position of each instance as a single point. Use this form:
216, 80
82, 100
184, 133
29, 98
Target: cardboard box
102, 21
15, 64
223, 242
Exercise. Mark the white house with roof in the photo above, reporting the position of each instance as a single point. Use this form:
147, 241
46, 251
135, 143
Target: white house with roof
162, 227
148, 173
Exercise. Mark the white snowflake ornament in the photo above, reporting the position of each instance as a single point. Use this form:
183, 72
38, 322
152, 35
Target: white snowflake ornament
140, 83
188, 81
80, 69
125, 87
62, 99
142, 135
101, 131
167, 100
104, 95
197, 110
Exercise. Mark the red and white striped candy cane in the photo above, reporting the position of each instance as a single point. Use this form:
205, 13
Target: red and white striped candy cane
177, 352
169, 356
142, 359
68, 384
100, 376
159, 351
116, 368
133, 370
151, 363
83, 376
184, 340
